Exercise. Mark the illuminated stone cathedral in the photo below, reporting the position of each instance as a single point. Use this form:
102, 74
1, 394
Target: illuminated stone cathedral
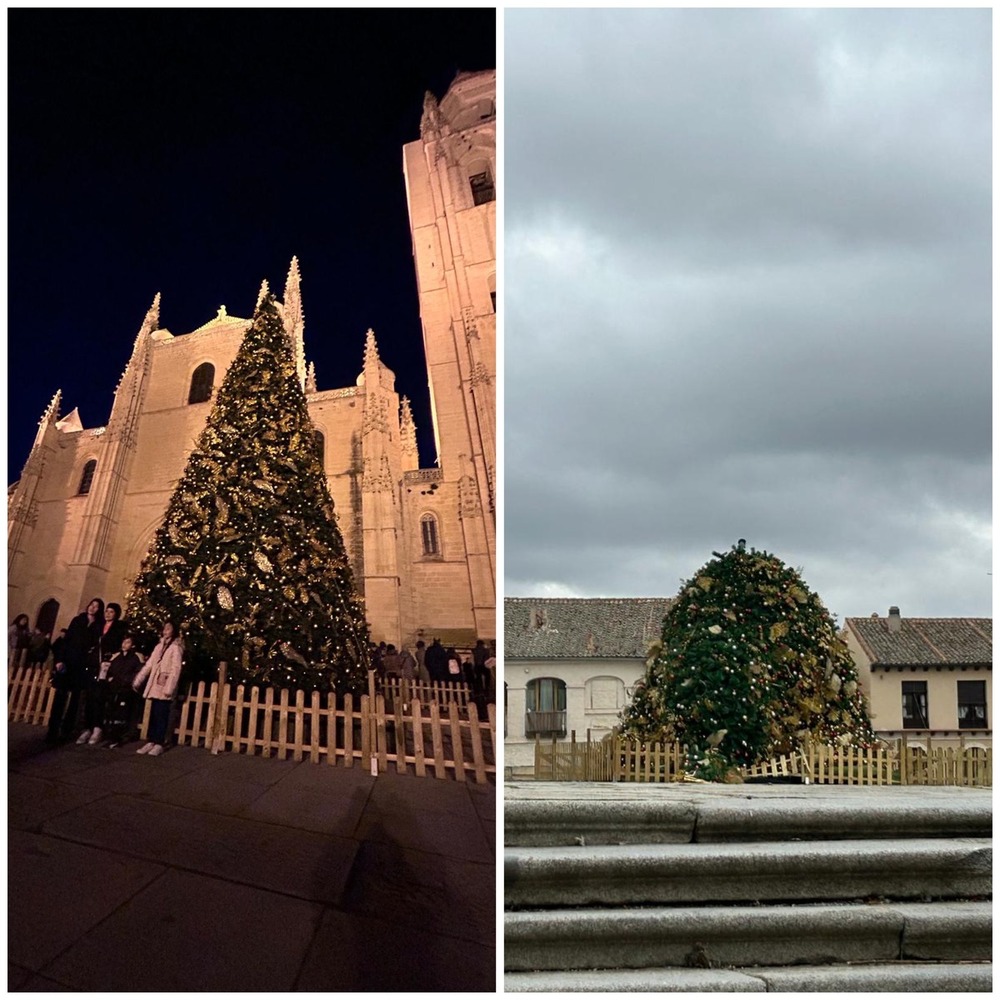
422, 541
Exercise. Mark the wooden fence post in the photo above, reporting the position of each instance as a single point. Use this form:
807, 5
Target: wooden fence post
217, 729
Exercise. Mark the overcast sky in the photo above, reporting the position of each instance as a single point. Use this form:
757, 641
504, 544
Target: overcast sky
747, 295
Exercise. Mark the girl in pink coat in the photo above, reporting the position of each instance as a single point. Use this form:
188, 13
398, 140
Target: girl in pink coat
162, 674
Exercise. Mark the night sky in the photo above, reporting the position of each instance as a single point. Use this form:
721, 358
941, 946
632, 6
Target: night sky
193, 153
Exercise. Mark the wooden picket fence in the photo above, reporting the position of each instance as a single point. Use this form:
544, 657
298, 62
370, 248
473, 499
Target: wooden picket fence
611, 759
900, 763
440, 734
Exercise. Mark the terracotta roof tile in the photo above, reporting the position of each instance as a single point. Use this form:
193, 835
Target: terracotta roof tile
926, 641
574, 627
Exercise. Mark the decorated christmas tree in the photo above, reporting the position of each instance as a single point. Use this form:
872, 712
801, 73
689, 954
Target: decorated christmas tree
749, 665
249, 560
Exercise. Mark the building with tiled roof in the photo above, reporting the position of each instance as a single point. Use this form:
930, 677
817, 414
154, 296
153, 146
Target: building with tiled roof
570, 664
926, 677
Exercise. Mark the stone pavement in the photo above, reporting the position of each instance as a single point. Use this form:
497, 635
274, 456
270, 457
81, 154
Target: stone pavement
193, 872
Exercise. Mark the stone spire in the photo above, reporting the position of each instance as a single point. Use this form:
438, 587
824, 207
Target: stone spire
311, 377
430, 121
49, 419
294, 319
131, 386
371, 351
262, 294
51, 414
152, 320
408, 436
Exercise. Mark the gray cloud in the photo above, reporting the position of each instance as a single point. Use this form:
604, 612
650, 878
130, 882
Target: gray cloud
747, 294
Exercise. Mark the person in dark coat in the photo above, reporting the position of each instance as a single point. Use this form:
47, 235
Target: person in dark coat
124, 705
69, 675
57, 646
38, 649
436, 661
95, 706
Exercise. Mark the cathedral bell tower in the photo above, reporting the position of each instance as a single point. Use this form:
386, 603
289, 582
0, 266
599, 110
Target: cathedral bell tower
451, 193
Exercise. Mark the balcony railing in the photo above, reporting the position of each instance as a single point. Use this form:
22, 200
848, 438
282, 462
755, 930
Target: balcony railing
545, 723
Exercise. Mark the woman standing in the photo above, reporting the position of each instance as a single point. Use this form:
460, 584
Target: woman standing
18, 637
162, 674
69, 674
95, 705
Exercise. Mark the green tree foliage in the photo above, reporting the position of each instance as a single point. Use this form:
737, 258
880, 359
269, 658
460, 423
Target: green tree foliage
249, 560
749, 665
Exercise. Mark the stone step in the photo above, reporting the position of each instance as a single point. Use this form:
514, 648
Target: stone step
701, 873
809, 934
549, 814
890, 977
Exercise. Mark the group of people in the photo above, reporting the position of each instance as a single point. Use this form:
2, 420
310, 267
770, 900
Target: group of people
437, 663
28, 647
96, 664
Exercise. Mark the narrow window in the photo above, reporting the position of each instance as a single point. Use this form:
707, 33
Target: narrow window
482, 188
972, 704
429, 534
87, 479
493, 300
915, 705
201, 383
321, 449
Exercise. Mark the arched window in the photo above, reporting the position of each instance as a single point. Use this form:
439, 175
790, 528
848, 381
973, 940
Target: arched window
47, 615
429, 535
546, 707
87, 479
321, 449
493, 291
201, 383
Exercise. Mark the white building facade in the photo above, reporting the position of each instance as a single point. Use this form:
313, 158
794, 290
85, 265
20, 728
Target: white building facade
569, 667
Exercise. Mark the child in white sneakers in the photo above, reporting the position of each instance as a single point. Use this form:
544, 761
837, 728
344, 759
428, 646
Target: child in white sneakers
162, 674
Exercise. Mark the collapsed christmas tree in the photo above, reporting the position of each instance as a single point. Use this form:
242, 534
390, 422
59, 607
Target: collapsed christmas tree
749, 665
249, 560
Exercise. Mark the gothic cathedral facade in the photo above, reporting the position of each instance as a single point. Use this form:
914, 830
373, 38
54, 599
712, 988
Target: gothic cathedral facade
422, 541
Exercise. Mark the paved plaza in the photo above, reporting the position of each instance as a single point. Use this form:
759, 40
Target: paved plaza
194, 872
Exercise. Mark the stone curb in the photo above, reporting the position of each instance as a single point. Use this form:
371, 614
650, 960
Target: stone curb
886, 978
738, 935
671, 816
678, 873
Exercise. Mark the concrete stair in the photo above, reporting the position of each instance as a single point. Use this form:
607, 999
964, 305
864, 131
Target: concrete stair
694, 888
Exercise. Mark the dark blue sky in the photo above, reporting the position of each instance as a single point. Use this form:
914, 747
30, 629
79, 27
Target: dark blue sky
192, 153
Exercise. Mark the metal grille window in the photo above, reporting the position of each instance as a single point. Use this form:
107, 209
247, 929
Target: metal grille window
972, 704
87, 479
429, 534
201, 383
482, 188
915, 705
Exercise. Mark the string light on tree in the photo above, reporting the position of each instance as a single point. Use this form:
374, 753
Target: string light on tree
249, 559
